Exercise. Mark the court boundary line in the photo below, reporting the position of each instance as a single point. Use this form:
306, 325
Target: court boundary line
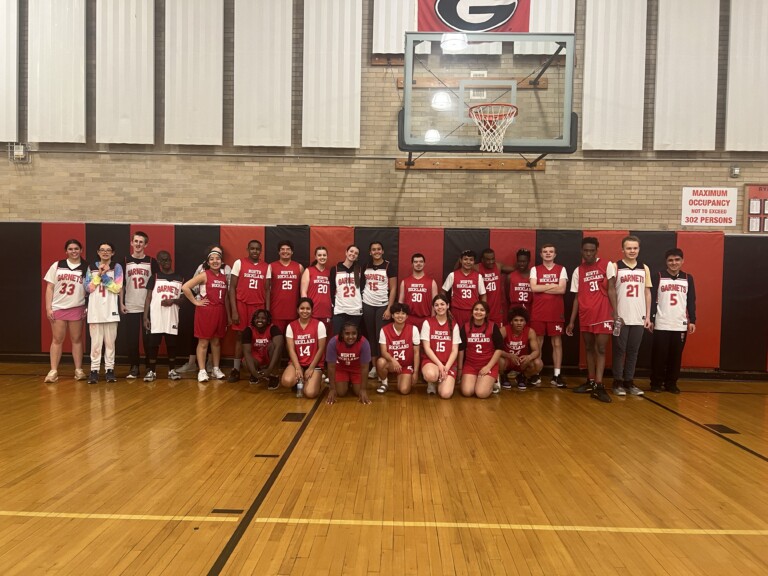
103, 516
518, 527
708, 429
250, 514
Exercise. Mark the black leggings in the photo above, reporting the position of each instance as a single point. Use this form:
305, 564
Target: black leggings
154, 346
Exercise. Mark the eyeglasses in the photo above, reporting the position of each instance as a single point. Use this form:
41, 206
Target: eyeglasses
105, 250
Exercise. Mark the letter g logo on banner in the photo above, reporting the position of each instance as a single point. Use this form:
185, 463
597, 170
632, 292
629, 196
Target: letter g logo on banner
475, 15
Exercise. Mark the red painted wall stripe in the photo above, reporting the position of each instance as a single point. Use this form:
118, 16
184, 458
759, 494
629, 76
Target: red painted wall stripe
704, 253
335, 239
427, 241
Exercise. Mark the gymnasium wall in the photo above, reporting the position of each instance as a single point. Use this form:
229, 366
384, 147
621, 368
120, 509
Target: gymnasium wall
310, 186
731, 279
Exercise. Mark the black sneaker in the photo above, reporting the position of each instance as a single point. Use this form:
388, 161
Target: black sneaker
600, 393
93, 377
673, 388
274, 383
234, 376
505, 383
558, 382
110, 375
656, 388
585, 388
521, 382
133, 373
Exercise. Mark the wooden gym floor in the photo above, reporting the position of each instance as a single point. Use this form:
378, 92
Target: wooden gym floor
176, 478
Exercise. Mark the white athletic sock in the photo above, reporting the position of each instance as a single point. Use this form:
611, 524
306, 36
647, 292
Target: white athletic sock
557, 371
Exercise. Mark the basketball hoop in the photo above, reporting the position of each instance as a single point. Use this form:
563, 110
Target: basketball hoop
492, 121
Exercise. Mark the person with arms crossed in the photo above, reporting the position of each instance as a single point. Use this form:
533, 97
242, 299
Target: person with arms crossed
285, 281
593, 283
440, 339
248, 292
548, 283
161, 315
65, 307
400, 354
417, 292
520, 281
492, 272
466, 287
103, 283
347, 358
521, 353
633, 301
673, 318
212, 313
138, 268
262, 349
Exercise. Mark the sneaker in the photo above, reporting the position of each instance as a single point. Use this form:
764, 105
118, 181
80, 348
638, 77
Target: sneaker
521, 383
150, 376
506, 384
133, 373
109, 376
80, 374
534, 380
202, 376
234, 376
656, 388
274, 383
618, 389
93, 377
673, 388
372, 373
585, 388
174, 375
187, 367
217, 373
53, 376
383, 387
600, 393
558, 382
431, 388
632, 389
496, 387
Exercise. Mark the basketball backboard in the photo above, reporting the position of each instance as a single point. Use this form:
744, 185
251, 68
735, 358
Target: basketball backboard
446, 74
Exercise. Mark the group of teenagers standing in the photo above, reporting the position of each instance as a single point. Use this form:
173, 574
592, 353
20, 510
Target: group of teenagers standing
485, 324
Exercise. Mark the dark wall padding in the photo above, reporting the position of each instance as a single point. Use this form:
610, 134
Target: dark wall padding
389, 238
22, 288
744, 338
456, 240
299, 235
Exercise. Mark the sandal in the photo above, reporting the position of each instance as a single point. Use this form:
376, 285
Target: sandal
383, 387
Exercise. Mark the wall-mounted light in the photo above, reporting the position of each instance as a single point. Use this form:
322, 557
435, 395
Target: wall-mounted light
735, 171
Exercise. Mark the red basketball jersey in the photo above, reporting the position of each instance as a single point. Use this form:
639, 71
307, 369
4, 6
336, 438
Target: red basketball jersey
548, 307
494, 295
399, 346
440, 338
305, 341
348, 357
252, 283
215, 288
260, 344
517, 343
319, 290
465, 290
520, 290
479, 344
591, 283
284, 293
418, 295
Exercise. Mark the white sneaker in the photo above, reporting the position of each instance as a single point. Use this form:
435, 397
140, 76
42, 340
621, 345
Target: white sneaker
202, 376
174, 375
496, 387
80, 374
217, 373
431, 388
149, 376
187, 367
53, 376
372, 373
634, 390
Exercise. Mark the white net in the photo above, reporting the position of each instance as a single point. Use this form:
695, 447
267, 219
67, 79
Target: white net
492, 121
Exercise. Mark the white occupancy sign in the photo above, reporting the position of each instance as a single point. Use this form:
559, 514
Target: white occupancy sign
709, 206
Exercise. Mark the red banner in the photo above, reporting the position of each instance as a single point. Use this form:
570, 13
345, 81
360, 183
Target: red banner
474, 15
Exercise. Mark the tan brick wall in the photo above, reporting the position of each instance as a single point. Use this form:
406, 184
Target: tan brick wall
92, 182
